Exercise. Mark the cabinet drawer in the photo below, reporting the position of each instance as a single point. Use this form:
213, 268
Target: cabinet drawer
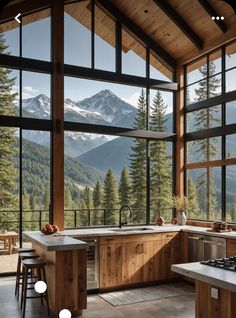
110, 240
169, 236
141, 238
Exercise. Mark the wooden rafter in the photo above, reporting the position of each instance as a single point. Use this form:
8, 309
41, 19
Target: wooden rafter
212, 13
166, 58
183, 26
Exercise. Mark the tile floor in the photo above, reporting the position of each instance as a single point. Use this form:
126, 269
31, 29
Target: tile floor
172, 307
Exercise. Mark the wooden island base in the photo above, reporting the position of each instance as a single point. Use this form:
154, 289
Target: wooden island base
66, 279
208, 307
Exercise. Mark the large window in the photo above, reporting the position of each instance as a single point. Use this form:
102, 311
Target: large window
210, 142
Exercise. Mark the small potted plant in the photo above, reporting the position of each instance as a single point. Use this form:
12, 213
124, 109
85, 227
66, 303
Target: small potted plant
181, 204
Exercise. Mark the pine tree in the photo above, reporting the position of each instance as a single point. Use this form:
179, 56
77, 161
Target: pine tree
203, 120
138, 164
97, 203
110, 198
27, 214
160, 177
8, 199
193, 207
124, 187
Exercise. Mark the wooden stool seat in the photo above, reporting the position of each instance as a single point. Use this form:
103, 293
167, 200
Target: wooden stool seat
37, 265
25, 254
30, 255
33, 263
25, 250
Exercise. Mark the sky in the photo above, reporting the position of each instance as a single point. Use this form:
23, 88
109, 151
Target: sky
36, 44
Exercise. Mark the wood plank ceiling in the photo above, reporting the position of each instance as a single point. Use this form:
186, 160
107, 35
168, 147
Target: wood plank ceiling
158, 25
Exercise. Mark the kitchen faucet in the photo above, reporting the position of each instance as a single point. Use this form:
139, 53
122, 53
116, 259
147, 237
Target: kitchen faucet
130, 215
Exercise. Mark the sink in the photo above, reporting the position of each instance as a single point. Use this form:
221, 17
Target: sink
123, 229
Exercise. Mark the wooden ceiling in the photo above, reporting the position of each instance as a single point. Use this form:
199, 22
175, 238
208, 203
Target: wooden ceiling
183, 29
160, 27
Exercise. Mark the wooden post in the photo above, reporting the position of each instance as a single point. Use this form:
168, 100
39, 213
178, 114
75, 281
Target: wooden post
58, 113
179, 189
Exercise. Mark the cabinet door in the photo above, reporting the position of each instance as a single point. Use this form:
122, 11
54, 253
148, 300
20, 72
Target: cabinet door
170, 254
110, 265
230, 247
132, 265
151, 260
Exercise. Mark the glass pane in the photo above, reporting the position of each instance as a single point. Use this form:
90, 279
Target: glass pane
161, 111
215, 59
230, 57
204, 193
133, 56
230, 112
9, 92
204, 150
10, 38
97, 102
109, 175
77, 37
214, 85
197, 71
35, 180
231, 193
196, 92
36, 35
230, 151
161, 180
104, 41
230, 80
36, 95
158, 70
9, 195
204, 119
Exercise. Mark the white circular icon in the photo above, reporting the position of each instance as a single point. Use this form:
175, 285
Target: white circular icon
65, 313
40, 287
222, 18
213, 18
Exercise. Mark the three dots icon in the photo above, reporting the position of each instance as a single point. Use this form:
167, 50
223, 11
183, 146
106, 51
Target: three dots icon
217, 18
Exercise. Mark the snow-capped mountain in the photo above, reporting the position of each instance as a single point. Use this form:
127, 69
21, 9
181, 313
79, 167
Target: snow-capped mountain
112, 108
103, 108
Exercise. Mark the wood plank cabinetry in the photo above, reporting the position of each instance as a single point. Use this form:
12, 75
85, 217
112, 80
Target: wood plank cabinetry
133, 259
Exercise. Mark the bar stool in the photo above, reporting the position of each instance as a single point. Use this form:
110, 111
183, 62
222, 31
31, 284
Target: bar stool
23, 254
39, 266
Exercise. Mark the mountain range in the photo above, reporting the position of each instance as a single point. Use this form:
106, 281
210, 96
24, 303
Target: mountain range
103, 108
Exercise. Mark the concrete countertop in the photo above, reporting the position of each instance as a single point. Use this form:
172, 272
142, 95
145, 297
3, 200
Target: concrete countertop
54, 242
214, 276
96, 232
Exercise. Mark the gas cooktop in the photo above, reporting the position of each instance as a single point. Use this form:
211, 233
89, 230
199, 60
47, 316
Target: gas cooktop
228, 263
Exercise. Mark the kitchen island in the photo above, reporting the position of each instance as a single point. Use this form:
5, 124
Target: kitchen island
215, 289
66, 270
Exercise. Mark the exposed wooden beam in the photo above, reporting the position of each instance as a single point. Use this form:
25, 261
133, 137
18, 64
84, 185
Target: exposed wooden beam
111, 77
176, 18
23, 7
165, 57
212, 13
119, 131
57, 197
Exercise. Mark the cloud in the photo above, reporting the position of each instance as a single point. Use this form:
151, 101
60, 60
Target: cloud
132, 99
28, 92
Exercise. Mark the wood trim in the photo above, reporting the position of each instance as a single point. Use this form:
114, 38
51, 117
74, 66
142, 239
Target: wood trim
179, 177
58, 114
208, 164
